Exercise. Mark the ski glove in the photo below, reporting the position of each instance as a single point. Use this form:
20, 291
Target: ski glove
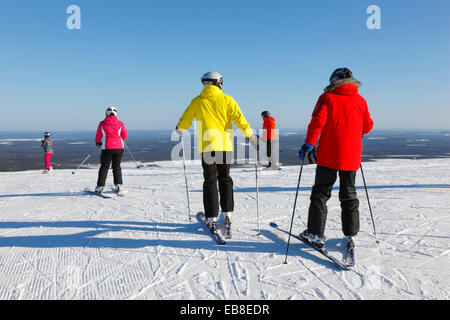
312, 156
99, 144
179, 132
305, 149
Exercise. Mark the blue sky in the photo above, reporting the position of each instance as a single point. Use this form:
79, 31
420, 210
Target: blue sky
147, 57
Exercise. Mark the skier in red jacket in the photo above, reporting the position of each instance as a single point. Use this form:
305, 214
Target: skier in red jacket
269, 136
113, 131
340, 118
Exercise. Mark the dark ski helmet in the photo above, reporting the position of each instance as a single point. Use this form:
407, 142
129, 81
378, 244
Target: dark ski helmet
266, 114
212, 78
339, 74
47, 134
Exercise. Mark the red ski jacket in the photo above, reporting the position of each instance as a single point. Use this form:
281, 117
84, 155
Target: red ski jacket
269, 129
114, 132
341, 118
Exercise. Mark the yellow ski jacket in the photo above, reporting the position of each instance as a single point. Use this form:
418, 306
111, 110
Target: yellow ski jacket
214, 112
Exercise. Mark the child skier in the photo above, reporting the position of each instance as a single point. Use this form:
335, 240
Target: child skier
215, 113
269, 136
113, 132
341, 118
46, 144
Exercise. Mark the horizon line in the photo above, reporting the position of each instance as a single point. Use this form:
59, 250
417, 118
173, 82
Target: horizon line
171, 129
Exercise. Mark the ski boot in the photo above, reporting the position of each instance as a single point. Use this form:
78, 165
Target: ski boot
350, 243
99, 189
211, 223
314, 239
349, 257
119, 190
228, 219
47, 171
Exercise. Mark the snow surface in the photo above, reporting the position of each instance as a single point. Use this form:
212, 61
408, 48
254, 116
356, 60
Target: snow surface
57, 242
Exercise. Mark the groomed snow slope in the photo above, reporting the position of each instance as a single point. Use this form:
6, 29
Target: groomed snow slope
56, 242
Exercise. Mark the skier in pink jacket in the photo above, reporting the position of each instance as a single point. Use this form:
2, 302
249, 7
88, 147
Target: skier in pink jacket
111, 133
46, 144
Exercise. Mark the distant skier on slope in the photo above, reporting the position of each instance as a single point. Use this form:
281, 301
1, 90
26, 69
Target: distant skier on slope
113, 132
47, 145
341, 118
215, 113
270, 136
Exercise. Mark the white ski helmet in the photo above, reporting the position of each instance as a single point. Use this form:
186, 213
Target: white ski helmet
111, 110
212, 78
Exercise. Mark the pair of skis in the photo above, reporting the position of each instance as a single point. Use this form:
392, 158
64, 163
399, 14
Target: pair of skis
215, 233
103, 195
349, 256
347, 264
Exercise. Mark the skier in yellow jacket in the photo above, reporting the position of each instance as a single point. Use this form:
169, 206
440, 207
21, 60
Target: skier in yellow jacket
215, 113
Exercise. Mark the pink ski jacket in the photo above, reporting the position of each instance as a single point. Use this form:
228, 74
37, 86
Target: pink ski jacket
114, 132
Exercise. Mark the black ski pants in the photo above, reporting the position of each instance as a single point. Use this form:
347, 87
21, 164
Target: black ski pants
269, 148
108, 156
216, 169
321, 193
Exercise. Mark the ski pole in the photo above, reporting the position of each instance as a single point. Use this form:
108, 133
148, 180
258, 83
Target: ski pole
185, 180
86, 159
131, 154
295, 205
370, 208
257, 193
